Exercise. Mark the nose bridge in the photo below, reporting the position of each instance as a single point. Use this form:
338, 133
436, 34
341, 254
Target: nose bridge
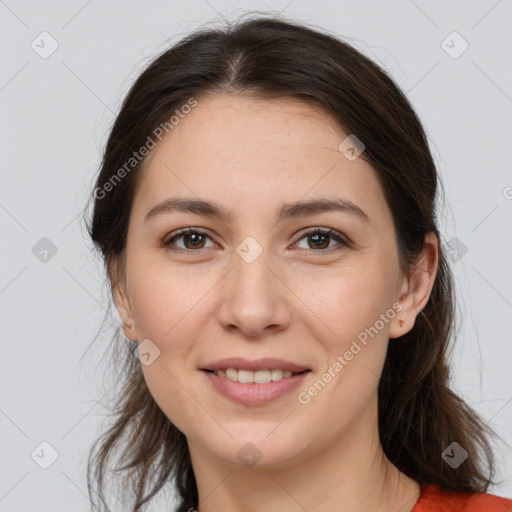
251, 273
252, 298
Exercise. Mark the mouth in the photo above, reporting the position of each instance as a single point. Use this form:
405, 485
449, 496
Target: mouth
254, 388
254, 382
264, 376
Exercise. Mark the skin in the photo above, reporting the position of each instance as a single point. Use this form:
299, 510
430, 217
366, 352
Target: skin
295, 301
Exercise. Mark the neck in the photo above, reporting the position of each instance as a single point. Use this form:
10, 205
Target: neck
349, 474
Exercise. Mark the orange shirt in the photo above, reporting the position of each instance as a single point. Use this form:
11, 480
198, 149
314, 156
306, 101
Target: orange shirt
435, 499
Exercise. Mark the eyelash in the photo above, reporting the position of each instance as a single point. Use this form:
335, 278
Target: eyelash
343, 241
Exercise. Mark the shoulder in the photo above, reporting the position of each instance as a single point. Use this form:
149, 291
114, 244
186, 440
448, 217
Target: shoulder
436, 499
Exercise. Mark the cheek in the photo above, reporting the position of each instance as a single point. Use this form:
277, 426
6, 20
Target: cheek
355, 308
173, 395
166, 307
344, 304
166, 300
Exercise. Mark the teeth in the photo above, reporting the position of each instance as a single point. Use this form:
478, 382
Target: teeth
258, 377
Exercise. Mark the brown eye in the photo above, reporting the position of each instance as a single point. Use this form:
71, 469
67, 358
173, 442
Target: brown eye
321, 238
192, 239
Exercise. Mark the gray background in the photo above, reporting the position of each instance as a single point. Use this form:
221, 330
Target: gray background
56, 112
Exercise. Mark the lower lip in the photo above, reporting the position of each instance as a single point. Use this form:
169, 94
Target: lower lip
255, 394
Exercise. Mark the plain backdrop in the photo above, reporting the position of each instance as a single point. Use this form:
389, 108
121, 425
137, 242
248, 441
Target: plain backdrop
66, 67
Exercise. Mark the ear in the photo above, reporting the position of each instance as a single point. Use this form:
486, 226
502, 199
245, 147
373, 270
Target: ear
415, 289
121, 299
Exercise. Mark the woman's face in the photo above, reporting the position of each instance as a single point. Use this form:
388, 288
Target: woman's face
256, 284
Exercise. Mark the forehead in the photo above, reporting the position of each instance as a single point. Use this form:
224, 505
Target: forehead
236, 149
234, 126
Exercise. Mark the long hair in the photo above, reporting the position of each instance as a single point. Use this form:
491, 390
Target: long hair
263, 57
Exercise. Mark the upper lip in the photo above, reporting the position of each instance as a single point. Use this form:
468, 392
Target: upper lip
240, 363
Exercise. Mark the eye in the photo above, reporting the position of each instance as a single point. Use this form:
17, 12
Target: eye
195, 239
321, 239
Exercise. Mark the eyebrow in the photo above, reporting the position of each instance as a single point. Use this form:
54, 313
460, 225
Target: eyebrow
286, 211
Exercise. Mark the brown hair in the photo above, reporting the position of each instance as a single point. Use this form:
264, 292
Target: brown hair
266, 57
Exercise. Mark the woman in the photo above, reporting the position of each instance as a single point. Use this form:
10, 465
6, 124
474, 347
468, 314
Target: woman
266, 213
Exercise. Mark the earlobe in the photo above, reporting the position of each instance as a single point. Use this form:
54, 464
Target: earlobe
122, 302
123, 307
416, 288
128, 329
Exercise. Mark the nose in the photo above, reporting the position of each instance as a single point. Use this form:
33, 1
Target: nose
254, 299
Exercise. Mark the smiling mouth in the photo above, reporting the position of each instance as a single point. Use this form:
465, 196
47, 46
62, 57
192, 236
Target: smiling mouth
255, 377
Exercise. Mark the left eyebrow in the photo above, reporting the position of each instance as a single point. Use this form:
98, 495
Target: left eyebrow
316, 206
286, 211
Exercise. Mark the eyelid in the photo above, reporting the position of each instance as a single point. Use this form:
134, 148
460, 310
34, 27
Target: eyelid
166, 242
342, 241
324, 231
340, 237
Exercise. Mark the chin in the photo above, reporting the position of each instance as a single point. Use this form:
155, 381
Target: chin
262, 451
